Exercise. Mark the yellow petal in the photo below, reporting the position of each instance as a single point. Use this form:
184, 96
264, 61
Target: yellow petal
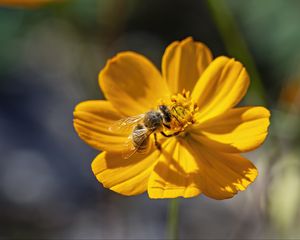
175, 174
132, 83
183, 63
221, 175
125, 176
221, 87
238, 130
92, 120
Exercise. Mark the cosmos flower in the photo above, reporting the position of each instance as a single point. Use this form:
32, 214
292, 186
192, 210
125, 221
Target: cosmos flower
209, 131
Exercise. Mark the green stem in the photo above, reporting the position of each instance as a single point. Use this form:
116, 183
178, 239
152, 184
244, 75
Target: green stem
237, 47
173, 219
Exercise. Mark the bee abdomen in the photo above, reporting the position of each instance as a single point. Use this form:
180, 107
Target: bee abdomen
140, 138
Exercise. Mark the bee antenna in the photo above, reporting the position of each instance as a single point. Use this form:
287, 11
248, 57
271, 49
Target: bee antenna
173, 108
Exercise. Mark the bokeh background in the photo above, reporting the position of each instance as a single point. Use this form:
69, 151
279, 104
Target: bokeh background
50, 57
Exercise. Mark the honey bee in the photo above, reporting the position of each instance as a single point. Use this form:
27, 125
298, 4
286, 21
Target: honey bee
141, 127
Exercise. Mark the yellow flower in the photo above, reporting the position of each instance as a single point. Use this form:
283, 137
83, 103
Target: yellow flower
201, 93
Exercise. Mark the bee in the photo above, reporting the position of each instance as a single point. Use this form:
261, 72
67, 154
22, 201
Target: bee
141, 127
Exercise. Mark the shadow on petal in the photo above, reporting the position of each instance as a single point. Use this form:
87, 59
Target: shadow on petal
221, 175
176, 167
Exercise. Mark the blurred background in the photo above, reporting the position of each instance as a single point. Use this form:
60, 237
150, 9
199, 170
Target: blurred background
50, 57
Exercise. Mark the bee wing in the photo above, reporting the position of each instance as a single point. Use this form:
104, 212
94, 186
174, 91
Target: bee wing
141, 135
126, 124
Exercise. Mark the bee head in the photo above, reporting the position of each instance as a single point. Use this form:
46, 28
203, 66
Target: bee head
166, 114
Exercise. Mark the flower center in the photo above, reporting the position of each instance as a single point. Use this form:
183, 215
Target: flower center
182, 109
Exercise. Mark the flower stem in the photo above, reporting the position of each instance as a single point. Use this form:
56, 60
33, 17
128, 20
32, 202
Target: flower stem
173, 219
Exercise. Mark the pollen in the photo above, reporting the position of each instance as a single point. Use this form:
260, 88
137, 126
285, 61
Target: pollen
182, 109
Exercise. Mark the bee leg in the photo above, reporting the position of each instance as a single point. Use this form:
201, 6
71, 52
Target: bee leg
169, 135
157, 144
